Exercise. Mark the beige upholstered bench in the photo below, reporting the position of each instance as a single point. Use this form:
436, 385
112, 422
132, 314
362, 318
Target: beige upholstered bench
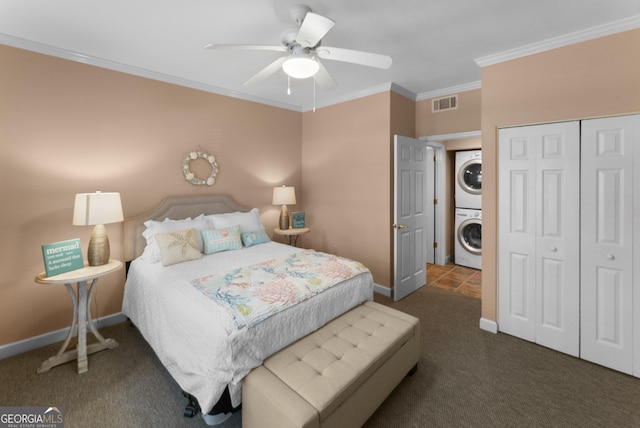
336, 376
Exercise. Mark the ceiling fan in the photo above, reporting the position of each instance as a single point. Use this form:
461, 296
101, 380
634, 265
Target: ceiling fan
304, 51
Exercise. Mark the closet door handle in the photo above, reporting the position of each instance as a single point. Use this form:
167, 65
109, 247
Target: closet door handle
400, 226
553, 249
610, 256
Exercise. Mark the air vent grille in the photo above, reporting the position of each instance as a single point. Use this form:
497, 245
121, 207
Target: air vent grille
445, 103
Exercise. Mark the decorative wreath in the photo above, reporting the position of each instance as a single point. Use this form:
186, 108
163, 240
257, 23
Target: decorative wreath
191, 177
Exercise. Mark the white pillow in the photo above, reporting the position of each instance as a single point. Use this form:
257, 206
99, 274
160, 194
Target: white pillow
249, 221
152, 250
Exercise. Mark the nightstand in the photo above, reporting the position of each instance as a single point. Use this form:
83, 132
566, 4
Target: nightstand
81, 314
292, 234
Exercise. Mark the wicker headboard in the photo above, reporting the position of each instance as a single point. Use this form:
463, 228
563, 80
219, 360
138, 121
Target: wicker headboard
174, 207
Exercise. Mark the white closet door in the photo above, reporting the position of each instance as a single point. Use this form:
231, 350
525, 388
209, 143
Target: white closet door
538, 255
558, 237
607, 240
516, 231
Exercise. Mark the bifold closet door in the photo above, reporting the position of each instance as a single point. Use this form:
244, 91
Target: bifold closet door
538, 245
610, 158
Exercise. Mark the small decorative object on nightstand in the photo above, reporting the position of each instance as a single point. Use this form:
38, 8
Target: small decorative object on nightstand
292, 234
81, 314
297, 219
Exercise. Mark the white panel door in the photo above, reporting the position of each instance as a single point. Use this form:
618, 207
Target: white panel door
607, 240
538, 254
410, 238
516, 233
558, 237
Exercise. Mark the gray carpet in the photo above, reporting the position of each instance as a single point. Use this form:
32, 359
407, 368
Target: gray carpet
466, 378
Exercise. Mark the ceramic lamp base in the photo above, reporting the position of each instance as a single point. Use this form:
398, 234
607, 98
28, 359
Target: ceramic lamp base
99, 251
284, 218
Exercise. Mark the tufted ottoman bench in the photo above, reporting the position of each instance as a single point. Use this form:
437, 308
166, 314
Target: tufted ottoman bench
336, 376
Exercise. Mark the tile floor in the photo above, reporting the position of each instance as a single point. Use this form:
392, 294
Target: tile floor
460, 279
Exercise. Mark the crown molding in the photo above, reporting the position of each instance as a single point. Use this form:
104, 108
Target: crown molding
626, 24
385, 87
403, 91
448, 91
141, 72
20, 43
350, 97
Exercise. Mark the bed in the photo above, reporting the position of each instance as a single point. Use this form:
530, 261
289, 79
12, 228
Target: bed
182, 308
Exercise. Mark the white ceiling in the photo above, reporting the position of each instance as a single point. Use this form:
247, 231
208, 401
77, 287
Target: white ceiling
434, 43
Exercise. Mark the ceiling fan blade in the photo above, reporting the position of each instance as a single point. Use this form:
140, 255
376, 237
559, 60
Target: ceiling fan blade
314, 27
355, 57
265, 72
324, 79
248, 47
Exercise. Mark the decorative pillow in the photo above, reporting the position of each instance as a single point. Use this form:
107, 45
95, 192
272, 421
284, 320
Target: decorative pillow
216, 240
248, 221
155, 227
254, 238
178, 246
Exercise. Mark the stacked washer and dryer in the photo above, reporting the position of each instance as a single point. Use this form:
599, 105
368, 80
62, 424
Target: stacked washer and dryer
468, 198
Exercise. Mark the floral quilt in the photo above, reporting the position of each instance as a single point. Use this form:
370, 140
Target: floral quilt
253, 293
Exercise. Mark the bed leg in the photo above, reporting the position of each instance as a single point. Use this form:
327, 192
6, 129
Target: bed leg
192, 408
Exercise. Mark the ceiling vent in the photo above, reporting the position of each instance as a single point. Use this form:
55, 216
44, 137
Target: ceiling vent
445, 103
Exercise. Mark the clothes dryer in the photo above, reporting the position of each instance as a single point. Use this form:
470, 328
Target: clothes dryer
468, 241
468, 188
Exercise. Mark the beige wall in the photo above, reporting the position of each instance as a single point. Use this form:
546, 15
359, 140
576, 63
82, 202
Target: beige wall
403, 114
346, 171
600, 77
465, 118
67, 127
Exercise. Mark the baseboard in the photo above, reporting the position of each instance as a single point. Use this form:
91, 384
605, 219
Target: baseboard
381, 289
488, 325
45, 339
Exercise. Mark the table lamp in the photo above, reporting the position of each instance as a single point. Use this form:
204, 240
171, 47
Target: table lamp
284, 196
97, 209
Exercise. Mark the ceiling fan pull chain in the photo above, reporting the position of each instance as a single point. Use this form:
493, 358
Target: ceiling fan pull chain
288, 85
314, 95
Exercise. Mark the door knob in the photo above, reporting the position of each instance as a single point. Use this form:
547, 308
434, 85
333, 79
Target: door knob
400, 226
610, 256
553, 249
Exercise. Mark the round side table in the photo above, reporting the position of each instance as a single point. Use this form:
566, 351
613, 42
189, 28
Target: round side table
292, 234
81, 298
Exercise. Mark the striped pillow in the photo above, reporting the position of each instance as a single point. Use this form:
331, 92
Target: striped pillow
216, 240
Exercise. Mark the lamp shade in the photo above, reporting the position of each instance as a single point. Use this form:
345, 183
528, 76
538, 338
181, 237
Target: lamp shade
300, 66
284, 195
97, 208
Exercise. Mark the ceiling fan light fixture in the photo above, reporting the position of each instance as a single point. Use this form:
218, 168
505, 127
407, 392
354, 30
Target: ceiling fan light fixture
300, 66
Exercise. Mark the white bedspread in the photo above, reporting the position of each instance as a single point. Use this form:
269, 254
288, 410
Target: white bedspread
198, 342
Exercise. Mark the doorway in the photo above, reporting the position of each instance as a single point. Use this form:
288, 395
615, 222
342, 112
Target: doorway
438, 219
448, 144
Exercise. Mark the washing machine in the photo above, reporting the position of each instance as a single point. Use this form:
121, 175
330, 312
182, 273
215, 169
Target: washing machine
468, 241
469, 179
